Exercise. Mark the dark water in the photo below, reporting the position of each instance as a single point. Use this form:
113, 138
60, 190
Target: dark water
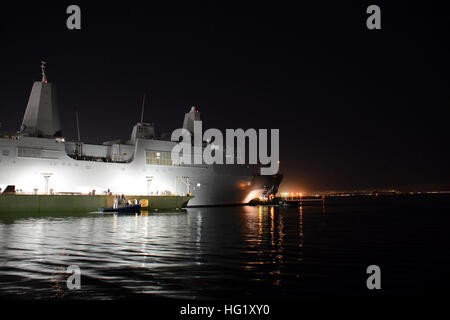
229, 252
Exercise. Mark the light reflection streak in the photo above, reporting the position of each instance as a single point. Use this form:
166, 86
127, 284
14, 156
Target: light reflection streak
144, 243
114, 226
272, 227
135, 222
260, 229
280, 235
300, 236
265, 227
195, 223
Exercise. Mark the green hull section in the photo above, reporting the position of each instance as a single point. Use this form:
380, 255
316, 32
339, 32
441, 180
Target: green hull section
11, 203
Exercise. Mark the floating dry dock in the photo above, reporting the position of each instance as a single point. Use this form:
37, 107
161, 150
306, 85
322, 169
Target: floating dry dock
25, 203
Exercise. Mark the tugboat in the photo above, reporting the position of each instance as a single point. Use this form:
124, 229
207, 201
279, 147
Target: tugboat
274, 202
122, 205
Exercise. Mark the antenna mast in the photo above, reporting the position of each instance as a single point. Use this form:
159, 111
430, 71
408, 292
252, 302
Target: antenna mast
44, 78
143, 107
78, 125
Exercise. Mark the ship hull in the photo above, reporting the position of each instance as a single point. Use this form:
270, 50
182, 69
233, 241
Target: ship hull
40, 165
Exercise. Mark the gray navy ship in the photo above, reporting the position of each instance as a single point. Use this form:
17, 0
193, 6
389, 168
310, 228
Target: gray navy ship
38, 159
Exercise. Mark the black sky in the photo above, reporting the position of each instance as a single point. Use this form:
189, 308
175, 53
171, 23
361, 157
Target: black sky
356, 108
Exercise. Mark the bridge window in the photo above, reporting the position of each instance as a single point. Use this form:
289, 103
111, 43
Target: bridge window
160, 158
29, 152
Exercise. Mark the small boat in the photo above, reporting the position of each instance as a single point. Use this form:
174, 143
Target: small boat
275, 202
133, 208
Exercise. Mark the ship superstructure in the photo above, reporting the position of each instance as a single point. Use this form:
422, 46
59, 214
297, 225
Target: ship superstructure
39, 160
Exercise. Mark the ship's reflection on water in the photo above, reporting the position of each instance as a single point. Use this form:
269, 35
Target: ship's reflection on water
199, 252
222, 252
274, 238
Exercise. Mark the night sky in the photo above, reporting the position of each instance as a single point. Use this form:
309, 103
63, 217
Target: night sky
356, 108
